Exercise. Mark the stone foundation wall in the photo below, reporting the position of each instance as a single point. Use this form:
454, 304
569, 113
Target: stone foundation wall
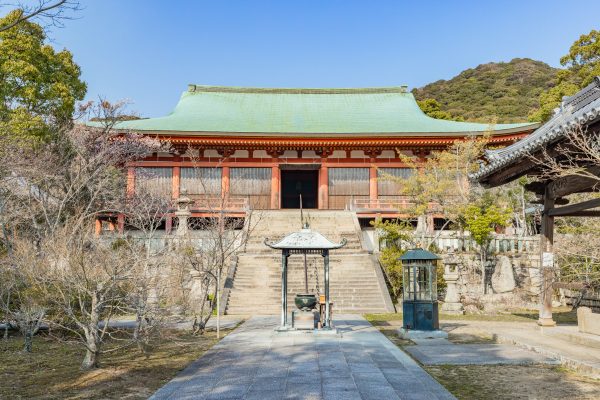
589, 299
513, 281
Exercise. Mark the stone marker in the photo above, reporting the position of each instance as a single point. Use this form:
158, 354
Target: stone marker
503, 279
587, 321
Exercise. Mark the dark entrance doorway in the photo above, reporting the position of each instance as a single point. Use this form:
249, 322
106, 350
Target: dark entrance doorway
299, 182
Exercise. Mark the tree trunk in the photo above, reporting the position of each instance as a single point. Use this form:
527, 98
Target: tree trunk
139, 333
91, 359
422, 228
28, 341
93, 338
92, 351
483, 269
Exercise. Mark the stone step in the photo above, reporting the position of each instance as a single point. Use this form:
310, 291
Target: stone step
365, 281
343, 251
277, 311
299, 270
260, 275
345, 285
259, 239
291, 273
342, 298
354, 285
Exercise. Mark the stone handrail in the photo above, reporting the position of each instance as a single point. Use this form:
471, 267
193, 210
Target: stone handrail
499, 244
227, 285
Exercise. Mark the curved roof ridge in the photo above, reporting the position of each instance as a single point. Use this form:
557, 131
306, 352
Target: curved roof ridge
192, 88
304, 111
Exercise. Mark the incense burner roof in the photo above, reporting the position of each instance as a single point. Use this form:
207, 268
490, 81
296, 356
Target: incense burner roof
305, 239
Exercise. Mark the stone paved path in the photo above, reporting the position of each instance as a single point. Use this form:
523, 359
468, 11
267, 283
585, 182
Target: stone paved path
442, 351
574, 349
254, 362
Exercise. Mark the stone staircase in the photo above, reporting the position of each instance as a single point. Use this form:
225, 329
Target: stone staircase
356, 285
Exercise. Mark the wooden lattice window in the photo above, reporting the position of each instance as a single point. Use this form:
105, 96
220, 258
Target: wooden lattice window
253, 183
154, 181
347, 184
200, 181
389, 181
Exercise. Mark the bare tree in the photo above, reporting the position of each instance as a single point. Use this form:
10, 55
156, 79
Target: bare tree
52, 196
81, 279
149, 291
22, 307
48, 13
578, 155
207, 246
8, 292
29, 320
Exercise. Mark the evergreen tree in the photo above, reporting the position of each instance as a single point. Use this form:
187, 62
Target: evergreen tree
38, 85
582, 65
432, 108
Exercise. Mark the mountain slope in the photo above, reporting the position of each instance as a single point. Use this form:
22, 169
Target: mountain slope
508, 91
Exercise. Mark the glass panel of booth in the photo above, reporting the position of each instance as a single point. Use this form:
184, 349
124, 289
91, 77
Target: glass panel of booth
419, 280
422, 282
409, 282
434, 281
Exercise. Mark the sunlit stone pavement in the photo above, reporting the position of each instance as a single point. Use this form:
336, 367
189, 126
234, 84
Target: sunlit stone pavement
254, 362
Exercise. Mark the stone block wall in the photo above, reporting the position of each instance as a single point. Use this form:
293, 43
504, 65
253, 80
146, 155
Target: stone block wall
513, 281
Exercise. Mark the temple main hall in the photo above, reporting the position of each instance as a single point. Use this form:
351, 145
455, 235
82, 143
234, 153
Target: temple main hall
267, 148
236, 150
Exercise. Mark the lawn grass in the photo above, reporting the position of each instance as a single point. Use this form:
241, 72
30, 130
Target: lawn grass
52, 370
498, 382
562, 315
538, 381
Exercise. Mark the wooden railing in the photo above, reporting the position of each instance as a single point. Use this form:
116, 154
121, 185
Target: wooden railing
391, 204
217, 204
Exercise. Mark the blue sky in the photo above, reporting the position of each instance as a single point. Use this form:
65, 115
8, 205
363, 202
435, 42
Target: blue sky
148, 51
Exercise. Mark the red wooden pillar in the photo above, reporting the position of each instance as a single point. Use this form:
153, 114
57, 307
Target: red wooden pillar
130, 181
323, 188
97, 227
275, 186
176, 182
373, 195
169, 224
546, 262
121, 223
225, 182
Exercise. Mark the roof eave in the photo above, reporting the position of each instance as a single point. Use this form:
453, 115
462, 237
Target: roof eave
457, 134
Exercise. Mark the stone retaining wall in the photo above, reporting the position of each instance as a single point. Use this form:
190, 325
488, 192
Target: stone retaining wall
513, 281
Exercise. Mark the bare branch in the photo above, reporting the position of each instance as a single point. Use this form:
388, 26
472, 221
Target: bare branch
47, 13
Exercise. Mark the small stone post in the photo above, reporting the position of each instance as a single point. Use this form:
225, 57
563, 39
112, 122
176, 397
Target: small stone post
452, 304
183, 213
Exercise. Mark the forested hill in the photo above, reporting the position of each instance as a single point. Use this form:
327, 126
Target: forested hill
509, 91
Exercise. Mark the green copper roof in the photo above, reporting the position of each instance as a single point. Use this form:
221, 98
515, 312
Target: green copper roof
418, 254
304, 111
